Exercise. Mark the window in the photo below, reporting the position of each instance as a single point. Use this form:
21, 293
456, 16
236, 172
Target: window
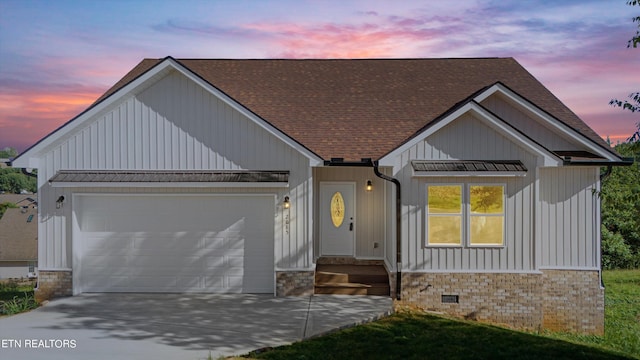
444, 214
487, 215
465, 214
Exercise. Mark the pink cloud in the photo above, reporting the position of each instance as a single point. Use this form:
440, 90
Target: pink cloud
28, 115
389, 38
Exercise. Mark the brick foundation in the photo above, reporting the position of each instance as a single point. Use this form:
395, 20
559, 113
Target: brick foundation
294, 283
573, 301
560, 300
53, 284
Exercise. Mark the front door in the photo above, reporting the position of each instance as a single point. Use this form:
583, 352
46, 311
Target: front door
337, 218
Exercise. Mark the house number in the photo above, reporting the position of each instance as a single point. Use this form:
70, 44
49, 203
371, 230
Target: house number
337, 209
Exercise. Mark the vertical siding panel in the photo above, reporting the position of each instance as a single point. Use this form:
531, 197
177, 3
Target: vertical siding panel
129, 120
567, 219
145, 137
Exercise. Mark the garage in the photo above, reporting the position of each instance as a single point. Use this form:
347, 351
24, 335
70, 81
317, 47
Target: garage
174, 243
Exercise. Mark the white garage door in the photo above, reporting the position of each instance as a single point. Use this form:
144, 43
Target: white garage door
175, 243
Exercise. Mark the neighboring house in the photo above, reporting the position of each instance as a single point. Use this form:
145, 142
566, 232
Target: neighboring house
20, 200
4, 163
27, 202
18, 242
238, 175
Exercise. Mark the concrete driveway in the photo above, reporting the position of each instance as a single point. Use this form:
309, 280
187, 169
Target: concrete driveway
176, 326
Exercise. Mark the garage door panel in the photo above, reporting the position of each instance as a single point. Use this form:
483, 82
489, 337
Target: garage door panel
176, 244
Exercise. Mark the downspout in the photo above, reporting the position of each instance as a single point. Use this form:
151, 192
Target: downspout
603, 176
24, 171
398, 227
606, 174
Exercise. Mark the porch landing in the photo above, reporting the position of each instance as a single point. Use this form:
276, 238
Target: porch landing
351, 277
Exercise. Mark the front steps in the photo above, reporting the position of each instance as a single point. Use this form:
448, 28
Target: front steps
365, 278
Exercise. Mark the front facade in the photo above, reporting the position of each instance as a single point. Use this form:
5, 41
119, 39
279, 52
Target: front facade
229, 176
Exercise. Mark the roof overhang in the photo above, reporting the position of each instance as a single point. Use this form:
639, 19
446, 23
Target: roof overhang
486, 168
170, 178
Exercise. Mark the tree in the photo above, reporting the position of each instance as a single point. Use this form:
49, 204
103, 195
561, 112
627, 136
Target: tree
13, 181
8, 153
636, 39
634, 104
620, 213
4, 206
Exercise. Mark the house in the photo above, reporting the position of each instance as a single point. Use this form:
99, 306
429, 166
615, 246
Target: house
19, 241
20, 200
472, 183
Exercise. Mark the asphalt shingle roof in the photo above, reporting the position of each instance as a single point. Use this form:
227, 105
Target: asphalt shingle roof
363, 108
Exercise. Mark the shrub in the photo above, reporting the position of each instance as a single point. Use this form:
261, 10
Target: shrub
18, 304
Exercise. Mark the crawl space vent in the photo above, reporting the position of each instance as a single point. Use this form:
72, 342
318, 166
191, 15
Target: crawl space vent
449, 299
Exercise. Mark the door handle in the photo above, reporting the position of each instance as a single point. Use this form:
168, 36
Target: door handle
351, 226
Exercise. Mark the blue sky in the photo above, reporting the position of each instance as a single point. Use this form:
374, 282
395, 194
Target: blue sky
57, 57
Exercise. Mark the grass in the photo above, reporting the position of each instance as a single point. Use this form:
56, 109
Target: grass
16, 297
418, 335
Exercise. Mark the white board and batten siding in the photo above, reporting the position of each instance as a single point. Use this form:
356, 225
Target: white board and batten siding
552, 222
480, 142
175, 124
569, 208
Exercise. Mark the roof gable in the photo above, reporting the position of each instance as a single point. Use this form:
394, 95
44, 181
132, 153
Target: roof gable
545, 156
135, 85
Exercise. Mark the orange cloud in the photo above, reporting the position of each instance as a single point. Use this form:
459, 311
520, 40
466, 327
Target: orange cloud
28, 115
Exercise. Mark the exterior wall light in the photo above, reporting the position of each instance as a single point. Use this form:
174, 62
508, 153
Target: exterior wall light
59, 202
369, 185
287, 203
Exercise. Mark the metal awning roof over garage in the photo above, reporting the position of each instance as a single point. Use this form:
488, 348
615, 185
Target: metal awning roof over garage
468, 168
170, 178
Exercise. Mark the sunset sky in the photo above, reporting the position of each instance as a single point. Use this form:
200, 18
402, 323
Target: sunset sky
57, 57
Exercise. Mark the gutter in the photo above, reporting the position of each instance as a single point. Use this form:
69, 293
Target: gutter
568, 161
367, 162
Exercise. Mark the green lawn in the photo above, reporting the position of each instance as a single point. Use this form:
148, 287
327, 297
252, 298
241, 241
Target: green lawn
622, 314
417, 335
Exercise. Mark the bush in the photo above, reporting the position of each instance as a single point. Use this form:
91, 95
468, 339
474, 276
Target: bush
18, 304
616, 254
620, 197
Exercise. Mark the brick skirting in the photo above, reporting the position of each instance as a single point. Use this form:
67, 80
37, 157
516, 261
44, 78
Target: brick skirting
294, 283
53, 284
560, 300
573, 301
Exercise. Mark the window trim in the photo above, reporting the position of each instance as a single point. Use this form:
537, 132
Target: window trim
465, 236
